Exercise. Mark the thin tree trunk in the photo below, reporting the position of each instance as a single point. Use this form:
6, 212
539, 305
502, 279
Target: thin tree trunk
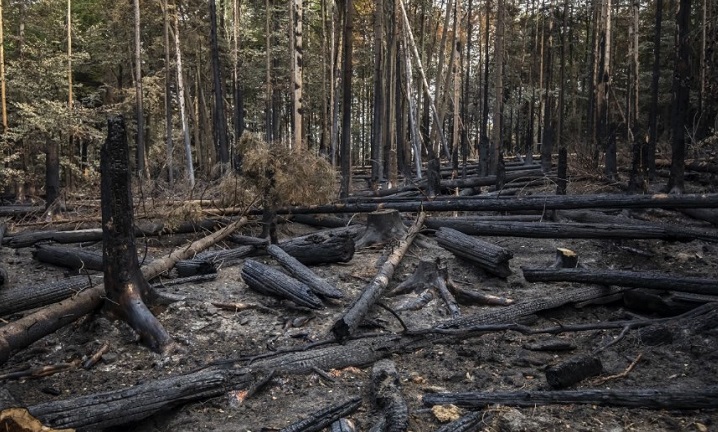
650, 155
236, 85
484, 142
3, 99
269, 92
413, 122
181, 99
141, 153
347, 69
168, 92
681, 96
377, 131
496, 146
220, 123
297, 101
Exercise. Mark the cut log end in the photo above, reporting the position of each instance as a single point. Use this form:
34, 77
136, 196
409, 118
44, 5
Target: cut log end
565, 258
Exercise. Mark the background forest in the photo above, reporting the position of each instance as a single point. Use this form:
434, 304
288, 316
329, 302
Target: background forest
379, 83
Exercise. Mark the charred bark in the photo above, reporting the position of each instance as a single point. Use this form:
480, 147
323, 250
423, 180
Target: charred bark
25, 297
576, 230
303, 273
381, 227
72, 258
625, 278
266, 280
125, 285
573, 370
671, 399
387, 394
318, 420
320, 248
548, 202
494, 259
350, 320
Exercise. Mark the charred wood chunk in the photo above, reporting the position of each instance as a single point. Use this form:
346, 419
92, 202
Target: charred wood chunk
320, 248
492, 258
573, 370
467, 423
303, 273
21, 298
3, 276
318, 420
267, 280
72, 258
424, 277
385, 381
195, 266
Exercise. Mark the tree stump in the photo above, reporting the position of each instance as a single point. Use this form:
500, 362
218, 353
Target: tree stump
126, 287
382, 226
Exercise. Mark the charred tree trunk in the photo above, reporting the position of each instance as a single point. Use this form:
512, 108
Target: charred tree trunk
125, 285
494, 259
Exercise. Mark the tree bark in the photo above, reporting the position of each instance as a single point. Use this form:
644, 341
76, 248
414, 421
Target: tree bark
624, 278
574, 230
548, 202
350, 320
220, 122
494, 259
694, 398
303, 273
322, 247
141, 151
126, 288
267, 280
347, 70
649, 160
189, 164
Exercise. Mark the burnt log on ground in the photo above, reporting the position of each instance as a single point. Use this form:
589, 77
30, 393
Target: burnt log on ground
303, 273
653, 280
322, 221
423, 277
16, 211
670, 399
318, 420
26, 239
72, 258
381, 227
708, 215
576, 230
266, 280
208, 262
322, 247
352, 317
24, 331
573, 370
534, 202
467, 423
387, 394
494, 259
22, 298
126, 287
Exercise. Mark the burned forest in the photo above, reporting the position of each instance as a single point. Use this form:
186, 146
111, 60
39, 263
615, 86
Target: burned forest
425, 215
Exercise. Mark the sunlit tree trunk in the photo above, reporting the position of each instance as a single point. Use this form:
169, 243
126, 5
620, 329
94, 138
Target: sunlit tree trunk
189, 166
297, 84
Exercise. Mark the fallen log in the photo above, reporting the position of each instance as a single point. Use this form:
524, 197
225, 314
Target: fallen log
318, 420
576, 230
14, 211
535, 202
487, 256
624, 278
303, 273
670, 399
322, 247
209, 261
387, 394
350, 320
24, 331
72, 258
342, 425
266, 280
322, 221
25, 297
466, 423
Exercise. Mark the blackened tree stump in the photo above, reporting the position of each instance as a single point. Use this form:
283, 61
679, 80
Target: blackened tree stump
126, 287
381, 227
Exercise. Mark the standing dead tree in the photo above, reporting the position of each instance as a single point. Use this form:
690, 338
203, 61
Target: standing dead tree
125, 285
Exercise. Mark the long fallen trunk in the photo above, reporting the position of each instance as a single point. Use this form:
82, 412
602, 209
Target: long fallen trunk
266, 280
672, 399
303, 273
348, 323
21, 333
546, 202
24, 297
575, 230
625, 278
73, 258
